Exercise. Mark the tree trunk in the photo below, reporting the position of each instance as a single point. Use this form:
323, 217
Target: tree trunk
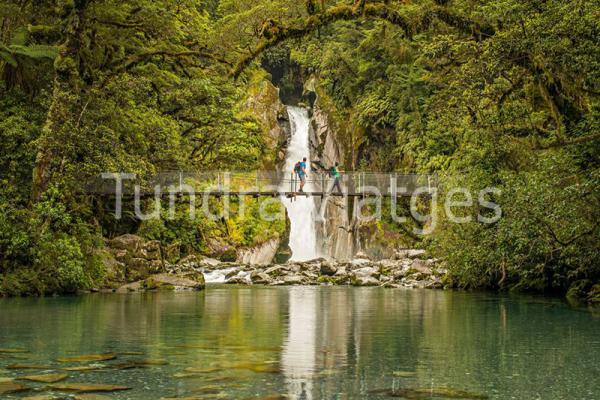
65, 98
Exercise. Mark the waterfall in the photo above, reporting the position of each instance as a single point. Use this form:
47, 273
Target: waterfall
301, 210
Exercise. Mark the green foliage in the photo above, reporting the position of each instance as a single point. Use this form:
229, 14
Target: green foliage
479, 111
500, 94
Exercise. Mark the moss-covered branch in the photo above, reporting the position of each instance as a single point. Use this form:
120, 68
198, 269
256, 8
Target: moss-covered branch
274, 32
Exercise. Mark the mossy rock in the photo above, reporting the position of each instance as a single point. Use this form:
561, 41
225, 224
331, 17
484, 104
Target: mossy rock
326, 279
594, 295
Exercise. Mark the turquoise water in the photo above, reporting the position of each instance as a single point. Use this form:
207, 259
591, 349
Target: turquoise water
310, 343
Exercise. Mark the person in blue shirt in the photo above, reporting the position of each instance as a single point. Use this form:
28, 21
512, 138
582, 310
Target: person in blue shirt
300, 169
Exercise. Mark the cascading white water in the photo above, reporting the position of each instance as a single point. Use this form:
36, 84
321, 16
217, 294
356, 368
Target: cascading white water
301, 210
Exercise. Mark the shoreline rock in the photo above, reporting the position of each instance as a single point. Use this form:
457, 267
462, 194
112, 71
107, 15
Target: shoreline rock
406, 272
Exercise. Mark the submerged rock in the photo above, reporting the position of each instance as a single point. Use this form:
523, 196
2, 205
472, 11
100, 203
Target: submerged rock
13, 351
91, 397
418, 394
88, 387
89, 358
47, 378
12, 387
27, 366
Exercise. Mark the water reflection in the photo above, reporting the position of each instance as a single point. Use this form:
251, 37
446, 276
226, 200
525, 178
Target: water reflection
314, 343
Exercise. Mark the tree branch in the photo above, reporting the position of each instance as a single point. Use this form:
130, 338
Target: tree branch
559, 144
274, 33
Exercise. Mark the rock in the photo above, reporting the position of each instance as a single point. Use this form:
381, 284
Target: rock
221, 250
232, 273
130, 243
361, 255
88, 358
209, 262
130, 287
262, 254
360, 262
276, 270
88, 387
28, 366
421, 266
92, 397
172, 253
138, 269
242, 278
366, 271
151, 250
47, 378
365, 281
187, 281
189, 263
327, 268
115, 270
260, 278
411, 253
12, 387
293, 279
86, 368
13, 351
366, 276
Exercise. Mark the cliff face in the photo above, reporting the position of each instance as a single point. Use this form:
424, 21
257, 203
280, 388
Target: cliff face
336, 232
263, 103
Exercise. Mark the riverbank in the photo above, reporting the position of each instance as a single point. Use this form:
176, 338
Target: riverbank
138, 265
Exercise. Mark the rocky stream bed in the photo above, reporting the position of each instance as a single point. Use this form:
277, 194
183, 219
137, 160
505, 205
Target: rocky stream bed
138, 265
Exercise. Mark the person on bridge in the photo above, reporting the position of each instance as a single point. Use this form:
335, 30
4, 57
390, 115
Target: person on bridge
300, 169
334, 172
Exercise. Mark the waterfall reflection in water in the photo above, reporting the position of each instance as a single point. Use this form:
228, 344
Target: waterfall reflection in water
313, 342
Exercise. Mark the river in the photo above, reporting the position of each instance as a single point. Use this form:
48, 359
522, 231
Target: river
309, 343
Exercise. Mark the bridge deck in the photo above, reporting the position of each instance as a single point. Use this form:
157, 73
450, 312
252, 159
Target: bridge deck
266, 194
261, 184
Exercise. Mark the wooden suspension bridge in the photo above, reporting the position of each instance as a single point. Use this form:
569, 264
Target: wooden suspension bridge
262, 184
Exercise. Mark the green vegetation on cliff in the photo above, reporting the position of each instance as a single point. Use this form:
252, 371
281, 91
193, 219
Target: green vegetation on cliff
502, 94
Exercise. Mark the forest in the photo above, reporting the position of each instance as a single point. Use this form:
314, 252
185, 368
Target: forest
502, 94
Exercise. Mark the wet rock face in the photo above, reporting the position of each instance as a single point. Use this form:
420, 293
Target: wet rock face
136, 264
134, 258
405, 272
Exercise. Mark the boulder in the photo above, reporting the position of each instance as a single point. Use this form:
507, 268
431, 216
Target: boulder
172, 253
360, 262
151, 250
365, 281
361, 255
137, 269
260, 278
207, 262
189, 281
239, 279
130, 243
262, 254
424, 267
221, 250
293, 279
366, 276
366, 271
327, 268
410, 253
276, 270
189, 263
